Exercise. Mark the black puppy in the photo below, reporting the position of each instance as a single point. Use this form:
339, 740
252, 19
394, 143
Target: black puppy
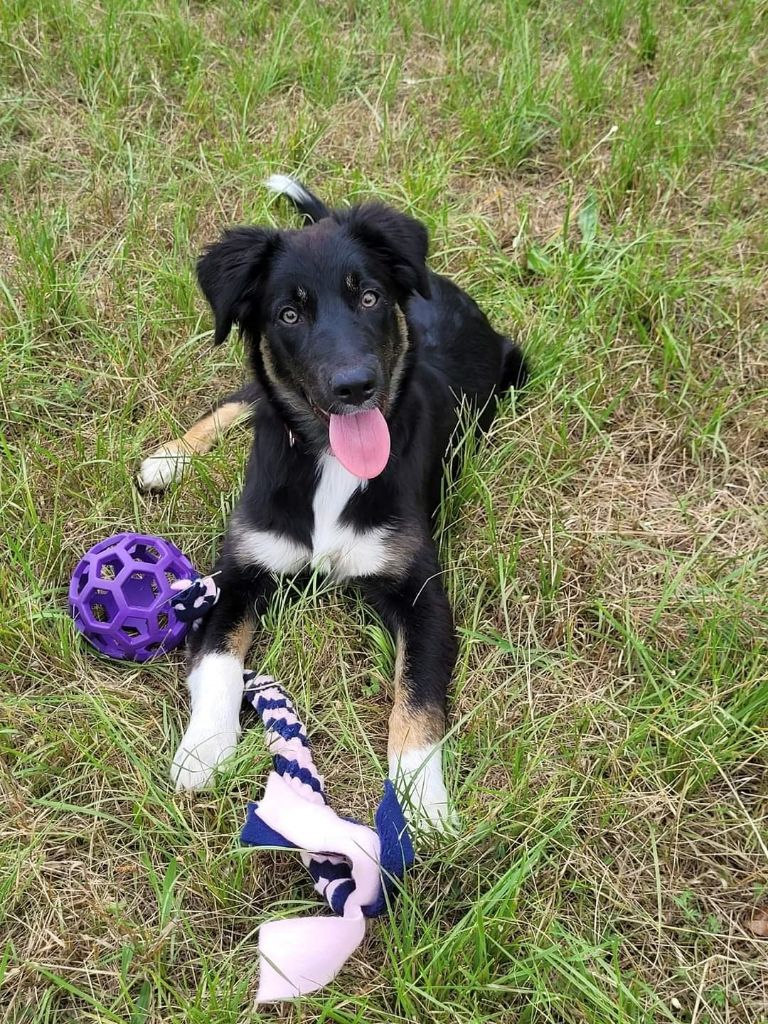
361, 358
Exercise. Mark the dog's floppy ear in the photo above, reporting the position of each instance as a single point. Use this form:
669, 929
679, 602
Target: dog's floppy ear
399, 241
228, 273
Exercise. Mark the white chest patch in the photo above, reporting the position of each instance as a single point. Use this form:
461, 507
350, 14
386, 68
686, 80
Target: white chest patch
337, 549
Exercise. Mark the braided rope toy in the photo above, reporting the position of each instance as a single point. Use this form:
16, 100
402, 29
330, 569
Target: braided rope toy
353, 867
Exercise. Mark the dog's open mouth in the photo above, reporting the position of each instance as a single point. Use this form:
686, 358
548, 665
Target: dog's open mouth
359, 440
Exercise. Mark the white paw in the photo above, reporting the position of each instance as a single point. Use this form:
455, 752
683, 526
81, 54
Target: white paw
216, 688
418, 778
162, 468
204, 746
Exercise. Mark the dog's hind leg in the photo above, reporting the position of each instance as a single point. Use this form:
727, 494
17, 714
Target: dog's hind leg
166, 465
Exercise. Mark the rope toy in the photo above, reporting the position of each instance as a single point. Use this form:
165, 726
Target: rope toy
353, 867
196, 598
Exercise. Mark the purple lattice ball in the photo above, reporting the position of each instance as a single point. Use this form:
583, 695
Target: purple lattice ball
120, 596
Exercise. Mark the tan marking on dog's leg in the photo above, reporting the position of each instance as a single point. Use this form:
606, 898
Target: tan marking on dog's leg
410, 728
167, 464
415, 761
240, 638
209, 430
238, 643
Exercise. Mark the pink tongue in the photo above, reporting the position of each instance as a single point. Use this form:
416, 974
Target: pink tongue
360, 442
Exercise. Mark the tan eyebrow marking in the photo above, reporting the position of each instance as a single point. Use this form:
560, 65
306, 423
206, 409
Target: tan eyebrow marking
349, 280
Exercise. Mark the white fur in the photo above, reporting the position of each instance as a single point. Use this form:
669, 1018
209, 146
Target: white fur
216, 691
337, 549
287, 186
274, 551
418, 778
162, 468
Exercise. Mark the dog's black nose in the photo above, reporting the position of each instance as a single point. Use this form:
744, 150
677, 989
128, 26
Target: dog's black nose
353, 386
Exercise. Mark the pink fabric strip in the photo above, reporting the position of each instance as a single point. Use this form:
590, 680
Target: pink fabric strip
301, 954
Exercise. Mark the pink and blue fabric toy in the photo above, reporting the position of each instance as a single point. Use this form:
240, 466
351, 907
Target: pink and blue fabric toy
353, 867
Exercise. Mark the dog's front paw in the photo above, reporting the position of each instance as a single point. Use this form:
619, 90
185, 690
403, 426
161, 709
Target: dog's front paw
163, 468
203, 748
418, 779
426, 806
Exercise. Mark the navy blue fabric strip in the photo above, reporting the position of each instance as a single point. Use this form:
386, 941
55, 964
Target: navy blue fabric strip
339, 896
327, 870
397, 852
285, 767
288, 732
270, 704
256, 832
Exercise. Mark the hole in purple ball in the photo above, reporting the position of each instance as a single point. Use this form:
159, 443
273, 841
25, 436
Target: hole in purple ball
109, 568
140, 589
98, 606
130, 631
142, 552
162, 620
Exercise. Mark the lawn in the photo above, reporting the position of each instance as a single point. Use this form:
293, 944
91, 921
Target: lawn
595, 174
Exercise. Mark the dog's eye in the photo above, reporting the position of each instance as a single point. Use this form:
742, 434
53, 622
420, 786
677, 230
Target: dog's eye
288, 315
368, 299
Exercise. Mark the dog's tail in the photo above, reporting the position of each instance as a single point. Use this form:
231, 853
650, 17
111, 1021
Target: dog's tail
309, 206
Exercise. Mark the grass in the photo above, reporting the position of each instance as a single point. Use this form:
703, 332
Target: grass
596, 175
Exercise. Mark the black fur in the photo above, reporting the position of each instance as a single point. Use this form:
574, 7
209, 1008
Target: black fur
229, 274
447, 351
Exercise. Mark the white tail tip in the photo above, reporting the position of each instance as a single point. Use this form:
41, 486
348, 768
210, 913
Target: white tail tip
284, 185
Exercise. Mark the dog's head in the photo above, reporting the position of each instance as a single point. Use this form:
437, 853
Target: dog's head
320, 309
